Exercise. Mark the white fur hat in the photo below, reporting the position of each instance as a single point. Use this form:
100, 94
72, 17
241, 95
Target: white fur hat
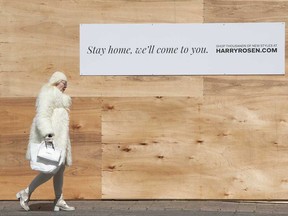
57, 77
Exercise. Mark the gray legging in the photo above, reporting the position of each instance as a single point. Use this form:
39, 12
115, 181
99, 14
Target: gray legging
43, 177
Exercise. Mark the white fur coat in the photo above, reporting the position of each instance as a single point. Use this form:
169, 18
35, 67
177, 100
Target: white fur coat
52, 117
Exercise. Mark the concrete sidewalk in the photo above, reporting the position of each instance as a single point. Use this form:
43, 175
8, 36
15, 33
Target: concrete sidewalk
151, 208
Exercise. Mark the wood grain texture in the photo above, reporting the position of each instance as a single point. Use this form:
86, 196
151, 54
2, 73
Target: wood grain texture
192, 148
138, 145
85, 132
38, 38
148, 86
143, 137
245, 86
245, 11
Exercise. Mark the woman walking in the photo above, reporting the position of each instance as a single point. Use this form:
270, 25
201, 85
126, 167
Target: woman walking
51, 123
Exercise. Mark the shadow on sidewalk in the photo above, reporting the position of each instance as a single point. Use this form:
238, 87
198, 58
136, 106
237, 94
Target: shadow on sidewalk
41, 206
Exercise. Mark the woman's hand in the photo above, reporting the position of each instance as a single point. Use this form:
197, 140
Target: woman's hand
49, 138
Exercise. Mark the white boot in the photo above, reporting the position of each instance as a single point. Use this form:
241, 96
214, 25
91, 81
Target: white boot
23, 196
62, 205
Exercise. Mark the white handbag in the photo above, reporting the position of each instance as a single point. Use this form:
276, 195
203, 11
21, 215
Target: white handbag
47, 151
45, 157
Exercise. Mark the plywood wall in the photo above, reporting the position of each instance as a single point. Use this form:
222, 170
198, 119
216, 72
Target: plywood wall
144, 137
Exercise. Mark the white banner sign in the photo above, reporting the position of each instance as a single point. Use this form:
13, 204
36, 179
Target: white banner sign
182, 49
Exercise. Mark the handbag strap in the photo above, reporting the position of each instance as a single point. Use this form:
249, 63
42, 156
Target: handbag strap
51, 143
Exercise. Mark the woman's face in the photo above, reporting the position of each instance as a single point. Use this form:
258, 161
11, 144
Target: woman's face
62, 85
